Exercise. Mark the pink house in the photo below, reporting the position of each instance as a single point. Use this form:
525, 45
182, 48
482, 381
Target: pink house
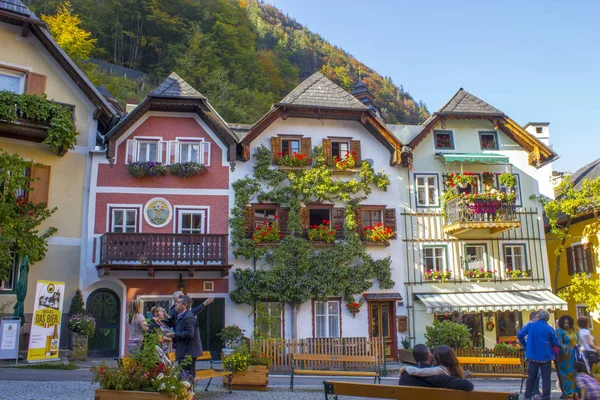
158, 213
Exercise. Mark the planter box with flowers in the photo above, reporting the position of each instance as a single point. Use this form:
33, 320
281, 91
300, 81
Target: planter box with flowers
346, 164
250, 369
322, 235
517, 274
82, 326
295, 162
142, 169
267, 235
377, 235
145, 375
187, 169
432, 275
479, 274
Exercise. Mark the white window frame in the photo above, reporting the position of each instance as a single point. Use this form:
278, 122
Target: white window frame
147, 143
585, 313
125, 210
178, 210
344, 141
15, 74
204, 149
435, 257
523, 255
484, 256
183, 212
132, 148
428, 202
336, 303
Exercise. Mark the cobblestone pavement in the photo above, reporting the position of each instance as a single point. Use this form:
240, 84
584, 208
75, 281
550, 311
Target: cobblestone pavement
69, 390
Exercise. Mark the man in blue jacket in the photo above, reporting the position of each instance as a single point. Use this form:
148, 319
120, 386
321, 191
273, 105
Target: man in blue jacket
540, 350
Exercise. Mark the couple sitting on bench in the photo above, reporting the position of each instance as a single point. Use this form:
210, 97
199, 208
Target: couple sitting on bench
447, 372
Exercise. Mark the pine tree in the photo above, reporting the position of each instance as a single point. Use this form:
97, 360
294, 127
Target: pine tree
77, 306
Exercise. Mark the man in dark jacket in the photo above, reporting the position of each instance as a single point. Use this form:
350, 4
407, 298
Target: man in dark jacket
186, 336
424, 359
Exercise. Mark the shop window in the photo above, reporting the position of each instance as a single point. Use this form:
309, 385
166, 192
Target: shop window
474, 321
443, 140
508, 323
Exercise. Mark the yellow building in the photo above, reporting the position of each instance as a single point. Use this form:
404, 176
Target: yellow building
581, 254
32, 63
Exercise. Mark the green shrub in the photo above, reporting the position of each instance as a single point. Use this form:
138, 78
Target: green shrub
447, 333
77, 306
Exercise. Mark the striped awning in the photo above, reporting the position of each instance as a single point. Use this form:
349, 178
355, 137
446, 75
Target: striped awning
492, 301
473, 158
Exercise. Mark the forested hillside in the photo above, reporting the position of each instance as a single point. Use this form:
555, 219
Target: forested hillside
242, 54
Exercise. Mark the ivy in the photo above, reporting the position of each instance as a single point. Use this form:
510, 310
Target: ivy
295, 272
61, 134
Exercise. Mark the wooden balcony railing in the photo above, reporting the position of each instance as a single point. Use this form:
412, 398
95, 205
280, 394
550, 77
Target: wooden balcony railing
496, 215
163, 251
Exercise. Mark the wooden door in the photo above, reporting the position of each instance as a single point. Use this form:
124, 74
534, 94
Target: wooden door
382, 317
104, 306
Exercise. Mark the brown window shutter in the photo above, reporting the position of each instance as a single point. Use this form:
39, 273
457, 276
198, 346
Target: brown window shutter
246, 152
570, 263
35, 83
306, 147
282, 213
327, 151
338, 215
389, 219
304, 218
249, 220
355, 148
275, 148
40, 184
359, 220
589, 259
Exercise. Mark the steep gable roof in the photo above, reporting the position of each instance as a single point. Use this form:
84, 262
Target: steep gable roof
319, 91
590, 172
464, 103
174, 86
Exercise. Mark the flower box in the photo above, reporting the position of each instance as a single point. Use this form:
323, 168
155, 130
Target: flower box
347, 171
321, 244
285, 168
102, 394
371, 243
256, 377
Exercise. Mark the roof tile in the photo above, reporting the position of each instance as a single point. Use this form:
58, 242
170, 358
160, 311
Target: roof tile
464, 103
175, 86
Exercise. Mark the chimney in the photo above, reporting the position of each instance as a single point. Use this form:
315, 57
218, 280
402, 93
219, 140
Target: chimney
540, 130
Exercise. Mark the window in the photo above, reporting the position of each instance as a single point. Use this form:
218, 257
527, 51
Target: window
435, 258
269, 320
340, 149
327, 319
290, 146
192, 221
124, 221
475, 256
508, 323
189, 152
516, 189
580, 261
539, 129
208, 286
147, 151
514, 257
371, 217
262, 215
9, 284
12, 81
488, 140
316, 216
443, 140
582, 311
427, 190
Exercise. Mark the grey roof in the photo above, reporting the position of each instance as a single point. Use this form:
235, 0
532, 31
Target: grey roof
464, 103
174, 86
381, 296
240, 130
589, 172
17, 7
319, 91
360, 87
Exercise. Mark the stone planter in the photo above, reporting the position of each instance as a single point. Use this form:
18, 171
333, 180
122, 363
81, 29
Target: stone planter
256, 377
79, 346
406, 356
102, 394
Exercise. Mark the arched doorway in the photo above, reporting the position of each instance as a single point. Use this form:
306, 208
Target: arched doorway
105, 307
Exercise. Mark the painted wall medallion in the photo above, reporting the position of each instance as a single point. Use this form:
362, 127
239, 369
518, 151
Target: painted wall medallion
158, 212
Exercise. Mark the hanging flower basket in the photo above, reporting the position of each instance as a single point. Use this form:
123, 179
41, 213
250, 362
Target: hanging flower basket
488, 179
354, 307
463, 180
507, 179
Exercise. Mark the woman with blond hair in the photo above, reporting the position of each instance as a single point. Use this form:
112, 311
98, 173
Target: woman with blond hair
137, 325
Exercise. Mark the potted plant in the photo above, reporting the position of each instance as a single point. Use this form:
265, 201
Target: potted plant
479, 274
141, 169
377, 234
517, 273
348, 162
433, 275
83, 326
322, 235
231, 336
267, 234
354, 307
250, 369
488, 179
187, 169
145, 375
405, 354
463, 180
507, 179
295, 160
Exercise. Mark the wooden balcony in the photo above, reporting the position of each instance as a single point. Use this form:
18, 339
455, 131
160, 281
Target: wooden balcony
479, 218
163, 252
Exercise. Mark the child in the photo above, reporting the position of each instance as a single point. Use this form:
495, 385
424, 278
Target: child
588, 385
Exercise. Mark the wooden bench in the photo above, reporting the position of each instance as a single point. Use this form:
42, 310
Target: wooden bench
209, 374
335, 389
328, 361
495, 367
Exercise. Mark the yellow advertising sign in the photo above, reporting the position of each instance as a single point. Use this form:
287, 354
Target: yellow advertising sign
45, 328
